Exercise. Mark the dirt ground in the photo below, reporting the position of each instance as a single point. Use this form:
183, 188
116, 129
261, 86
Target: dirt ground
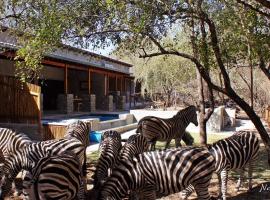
260, 191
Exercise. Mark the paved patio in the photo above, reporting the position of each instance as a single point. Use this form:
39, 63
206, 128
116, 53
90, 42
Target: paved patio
240, 125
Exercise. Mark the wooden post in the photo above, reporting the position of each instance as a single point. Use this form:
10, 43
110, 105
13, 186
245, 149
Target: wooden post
116, 89
121, 88
66, 79
89, 81
105, 84
125, 86
108, 83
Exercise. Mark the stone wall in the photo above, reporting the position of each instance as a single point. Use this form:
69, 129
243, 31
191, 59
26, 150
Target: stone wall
65, 103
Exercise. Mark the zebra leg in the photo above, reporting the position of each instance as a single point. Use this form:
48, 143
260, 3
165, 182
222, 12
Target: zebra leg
202, 190
219, 185
168, 143
177, 142
240, 180
187, 192
224, 179
250, 171
153, 146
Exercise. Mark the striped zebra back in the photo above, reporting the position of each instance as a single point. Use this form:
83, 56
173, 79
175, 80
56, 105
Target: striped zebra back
166, 172
109, 149
55, 177
236, 151
11, 141
27, 158
155, 128
79, 130
135, 145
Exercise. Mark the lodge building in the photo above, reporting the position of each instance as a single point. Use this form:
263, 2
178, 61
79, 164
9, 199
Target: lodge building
75, 80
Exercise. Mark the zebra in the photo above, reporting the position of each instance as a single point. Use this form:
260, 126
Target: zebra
109, 149
135, 145
159, 129
235, 152
162, 172
80, 131
55, 177
27, 157
11, 141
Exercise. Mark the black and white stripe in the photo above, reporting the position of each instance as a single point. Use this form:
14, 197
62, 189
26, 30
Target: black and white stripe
109, 149
55, 177
162, 173
159, 129
80, 131
235, 152
135, 145
11, 141
27, 157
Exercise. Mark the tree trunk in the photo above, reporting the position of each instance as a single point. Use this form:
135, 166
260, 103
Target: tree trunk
202, 122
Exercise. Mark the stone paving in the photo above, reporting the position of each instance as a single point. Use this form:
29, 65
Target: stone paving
240, 125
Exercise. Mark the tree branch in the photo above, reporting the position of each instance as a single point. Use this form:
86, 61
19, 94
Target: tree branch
264, 3
252, 8
263, 67
217, 52
191, 58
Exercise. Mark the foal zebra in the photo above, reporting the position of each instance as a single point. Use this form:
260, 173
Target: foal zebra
235, 152
27, 157
109, 148
55, 177
162, 172
159, 129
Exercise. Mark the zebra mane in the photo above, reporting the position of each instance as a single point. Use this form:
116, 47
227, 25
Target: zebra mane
79, 130
189, 108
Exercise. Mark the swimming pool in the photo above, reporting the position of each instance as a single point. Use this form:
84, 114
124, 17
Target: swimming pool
65, 121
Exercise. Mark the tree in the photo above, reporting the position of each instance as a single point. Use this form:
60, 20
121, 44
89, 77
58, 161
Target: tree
143, 24
147, 22
162, 75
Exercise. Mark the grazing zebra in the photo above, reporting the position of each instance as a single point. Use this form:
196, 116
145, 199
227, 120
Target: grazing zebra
80, 131
109, 149
159, 129
135, 145
235, 152
27, 157
55, 177
162, 172
11, 141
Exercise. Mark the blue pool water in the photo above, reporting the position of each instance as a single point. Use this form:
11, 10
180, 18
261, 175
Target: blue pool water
64, 121
95, 136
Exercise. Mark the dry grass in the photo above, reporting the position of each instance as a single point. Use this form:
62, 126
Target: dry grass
261, 176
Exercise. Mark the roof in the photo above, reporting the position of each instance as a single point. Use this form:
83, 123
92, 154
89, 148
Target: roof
73, 54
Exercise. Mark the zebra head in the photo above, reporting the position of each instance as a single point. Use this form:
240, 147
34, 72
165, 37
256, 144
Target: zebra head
79, 130
190, 114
